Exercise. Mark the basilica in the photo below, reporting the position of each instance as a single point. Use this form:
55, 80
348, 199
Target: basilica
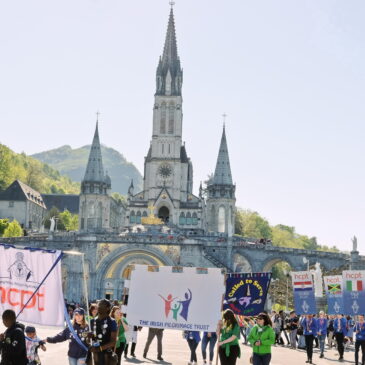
168, 171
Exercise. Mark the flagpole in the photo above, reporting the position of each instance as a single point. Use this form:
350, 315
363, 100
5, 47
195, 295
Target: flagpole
219, 330
86, 316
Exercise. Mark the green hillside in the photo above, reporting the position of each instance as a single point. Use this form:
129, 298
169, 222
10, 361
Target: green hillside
72, 163
34, 173
250, 224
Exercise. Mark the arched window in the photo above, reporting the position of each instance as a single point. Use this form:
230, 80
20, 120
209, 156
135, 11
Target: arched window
144, 214
182, 219
188, 219
99, 221
171, 118
138, 218
132, 217
221, 219
163, 119
195, 219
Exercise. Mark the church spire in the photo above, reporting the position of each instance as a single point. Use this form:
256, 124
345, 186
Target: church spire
169, 72
94, 170
222, 174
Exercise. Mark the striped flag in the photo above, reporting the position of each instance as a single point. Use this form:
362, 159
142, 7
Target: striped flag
302, 281
354, 285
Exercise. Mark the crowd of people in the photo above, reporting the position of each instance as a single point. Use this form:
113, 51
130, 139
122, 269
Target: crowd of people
102, 336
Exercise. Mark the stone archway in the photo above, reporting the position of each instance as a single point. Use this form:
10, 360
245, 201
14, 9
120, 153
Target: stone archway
241, 263
111, 268
164, 214
271, 261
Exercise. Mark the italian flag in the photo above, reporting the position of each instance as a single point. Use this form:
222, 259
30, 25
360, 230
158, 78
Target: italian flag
354, 285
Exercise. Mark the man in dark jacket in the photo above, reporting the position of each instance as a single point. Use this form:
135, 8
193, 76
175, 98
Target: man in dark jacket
12, 342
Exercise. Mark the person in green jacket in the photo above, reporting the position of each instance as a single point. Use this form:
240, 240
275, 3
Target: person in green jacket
122, 329
229, 331
262, 337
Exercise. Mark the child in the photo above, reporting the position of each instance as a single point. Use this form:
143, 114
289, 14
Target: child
33, 343
12, 342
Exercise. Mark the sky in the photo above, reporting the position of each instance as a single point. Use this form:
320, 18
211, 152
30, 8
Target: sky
289, 75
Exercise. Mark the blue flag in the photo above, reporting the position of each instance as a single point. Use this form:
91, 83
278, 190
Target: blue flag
246, 293
334, 293
304, 300
354, 294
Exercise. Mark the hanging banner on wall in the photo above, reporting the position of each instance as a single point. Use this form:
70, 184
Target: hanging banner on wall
31, 284
334, 294
304, 300
353, 292
246, 293
179, 298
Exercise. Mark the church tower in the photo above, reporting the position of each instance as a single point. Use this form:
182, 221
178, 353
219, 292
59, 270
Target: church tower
221, 194
98, 211
168, 172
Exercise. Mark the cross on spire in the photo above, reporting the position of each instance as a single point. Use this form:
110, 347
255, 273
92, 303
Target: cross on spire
224, 115
97, 116
172, 3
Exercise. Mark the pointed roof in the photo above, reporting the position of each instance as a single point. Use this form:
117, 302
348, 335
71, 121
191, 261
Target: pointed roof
169, 56
222, 174
18, 191
94, 170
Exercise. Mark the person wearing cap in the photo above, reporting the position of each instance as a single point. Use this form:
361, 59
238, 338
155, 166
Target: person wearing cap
262, 337
33, 343
76, 353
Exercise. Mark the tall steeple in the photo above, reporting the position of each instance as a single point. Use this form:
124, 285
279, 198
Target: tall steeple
169, 72
94, 170
222, 174
221, 193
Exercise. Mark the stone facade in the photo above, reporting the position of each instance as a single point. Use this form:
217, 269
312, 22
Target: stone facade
108, 256
19, 201
197, 230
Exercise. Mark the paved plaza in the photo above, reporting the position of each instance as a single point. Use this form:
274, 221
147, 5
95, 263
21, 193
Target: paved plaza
176, 351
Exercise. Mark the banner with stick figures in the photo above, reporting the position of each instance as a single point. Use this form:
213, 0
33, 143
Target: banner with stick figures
246, 292
180, 298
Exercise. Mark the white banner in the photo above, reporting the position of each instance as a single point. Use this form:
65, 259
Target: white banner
21, 273
190, 299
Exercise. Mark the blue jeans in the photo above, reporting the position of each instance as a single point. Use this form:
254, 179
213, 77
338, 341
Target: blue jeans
211, 340
261, 359
322, 340
74, 361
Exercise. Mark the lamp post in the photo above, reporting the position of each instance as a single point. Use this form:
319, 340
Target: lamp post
286, 273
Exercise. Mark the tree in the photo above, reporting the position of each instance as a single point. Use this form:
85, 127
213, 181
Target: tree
4, 223
251, 224
34, 176
54, 212
69, 221
119, 197
5, 167
13, 230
